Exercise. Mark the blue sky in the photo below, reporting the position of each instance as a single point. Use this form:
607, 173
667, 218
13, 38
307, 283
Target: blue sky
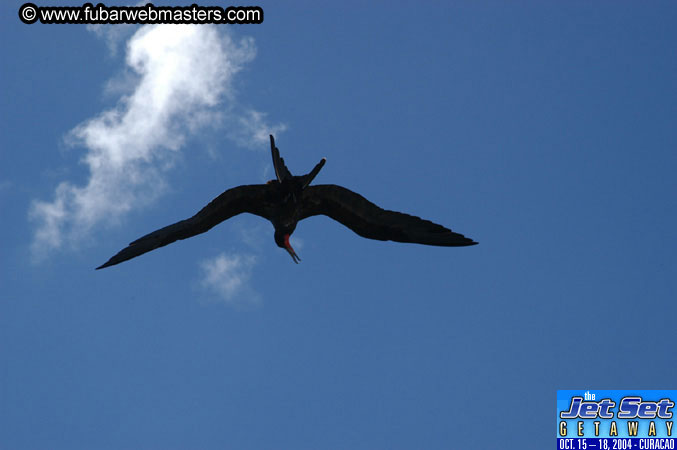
545, 131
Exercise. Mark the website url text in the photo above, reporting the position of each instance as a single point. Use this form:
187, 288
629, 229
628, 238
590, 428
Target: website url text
148, 14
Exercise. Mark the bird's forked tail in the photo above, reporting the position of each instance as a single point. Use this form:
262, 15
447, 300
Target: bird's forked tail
313, 173
281, 171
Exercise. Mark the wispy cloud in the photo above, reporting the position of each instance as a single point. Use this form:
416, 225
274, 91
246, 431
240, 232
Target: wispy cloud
253, 232
226, 277
183, 82
253, 129
113, 35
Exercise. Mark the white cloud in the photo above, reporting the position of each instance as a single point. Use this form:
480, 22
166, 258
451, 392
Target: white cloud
183, 74
227, 277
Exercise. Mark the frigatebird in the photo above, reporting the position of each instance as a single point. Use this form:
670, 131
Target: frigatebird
288, 199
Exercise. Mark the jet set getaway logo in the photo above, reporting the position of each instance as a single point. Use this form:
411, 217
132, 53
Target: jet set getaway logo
615, 420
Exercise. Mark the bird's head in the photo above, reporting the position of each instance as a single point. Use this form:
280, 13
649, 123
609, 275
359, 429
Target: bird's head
282, 241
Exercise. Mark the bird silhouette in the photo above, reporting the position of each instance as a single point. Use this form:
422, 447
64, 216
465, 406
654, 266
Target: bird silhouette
287, 200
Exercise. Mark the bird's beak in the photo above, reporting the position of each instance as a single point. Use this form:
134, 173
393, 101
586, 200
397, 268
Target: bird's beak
289, 249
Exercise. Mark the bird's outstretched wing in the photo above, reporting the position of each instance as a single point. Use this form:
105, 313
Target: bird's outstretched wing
242, 199
372, 222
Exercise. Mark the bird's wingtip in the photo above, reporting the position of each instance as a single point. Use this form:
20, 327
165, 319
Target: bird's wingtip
104, 265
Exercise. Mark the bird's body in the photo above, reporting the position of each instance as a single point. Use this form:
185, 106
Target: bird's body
287, 200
